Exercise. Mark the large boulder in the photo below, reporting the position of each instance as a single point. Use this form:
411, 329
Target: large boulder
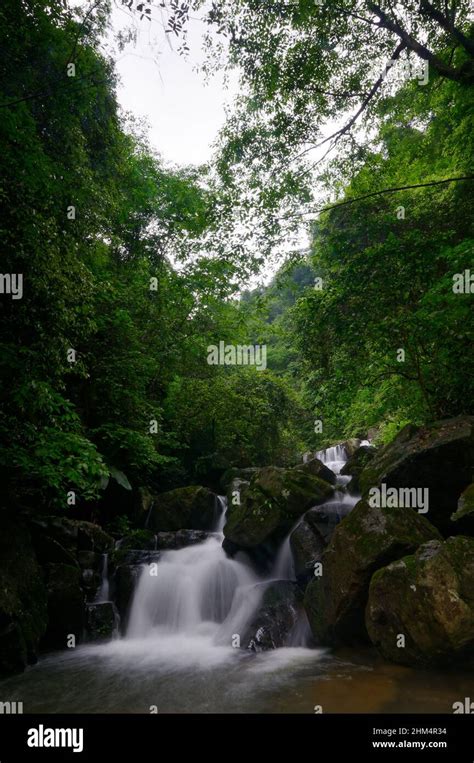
355, 465
272, 502
311, 536
323, 520
420, 610
234, 472
275, 618
307, 548
316, 467
191, 508
439, 456
72, 535
366, 540
65, 605
23, 610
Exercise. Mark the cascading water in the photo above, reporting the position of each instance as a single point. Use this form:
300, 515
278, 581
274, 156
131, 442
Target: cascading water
195, 591
199, 595
103, 593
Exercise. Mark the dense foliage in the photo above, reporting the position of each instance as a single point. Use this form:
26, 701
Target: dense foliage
132, 270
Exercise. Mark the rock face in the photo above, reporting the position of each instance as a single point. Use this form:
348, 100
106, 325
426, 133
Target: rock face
272, 502
275, 618
60, 539
366, 540
194, 508
465, 510
316, 467
235, 473
439, 457
23, 612
101, 621
307, 548
323, 520
357, 463
65, 605
429, 599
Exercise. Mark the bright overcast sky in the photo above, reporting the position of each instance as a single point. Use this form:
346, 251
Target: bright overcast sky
184, 113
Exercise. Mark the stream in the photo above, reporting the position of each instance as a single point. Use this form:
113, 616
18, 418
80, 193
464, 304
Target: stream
178, 654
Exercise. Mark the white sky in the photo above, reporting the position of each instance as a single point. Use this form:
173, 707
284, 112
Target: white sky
184, 112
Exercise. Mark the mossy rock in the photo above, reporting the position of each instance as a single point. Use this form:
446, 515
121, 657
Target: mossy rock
234, 472
23, 609
272, 502
439, 456
366, 540
73, 534
186, 508
427, 598
316, 467
355, 465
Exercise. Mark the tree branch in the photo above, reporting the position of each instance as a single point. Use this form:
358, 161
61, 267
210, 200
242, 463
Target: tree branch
336, 136
394, 190
428, 9
415, 46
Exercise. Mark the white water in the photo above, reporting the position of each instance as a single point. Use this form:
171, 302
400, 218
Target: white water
196, 599
104, 590
196, 593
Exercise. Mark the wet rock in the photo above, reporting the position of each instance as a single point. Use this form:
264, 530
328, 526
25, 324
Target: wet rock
102, 621
316, 467
193, 507
275, 618
355, 465
439, 456
234, 472
180, 539
307, 548
428, 599
273, 501
324, 519
366, 540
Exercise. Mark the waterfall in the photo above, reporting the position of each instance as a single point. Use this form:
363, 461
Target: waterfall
200, 598
334, 458
195, 591
103, 593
